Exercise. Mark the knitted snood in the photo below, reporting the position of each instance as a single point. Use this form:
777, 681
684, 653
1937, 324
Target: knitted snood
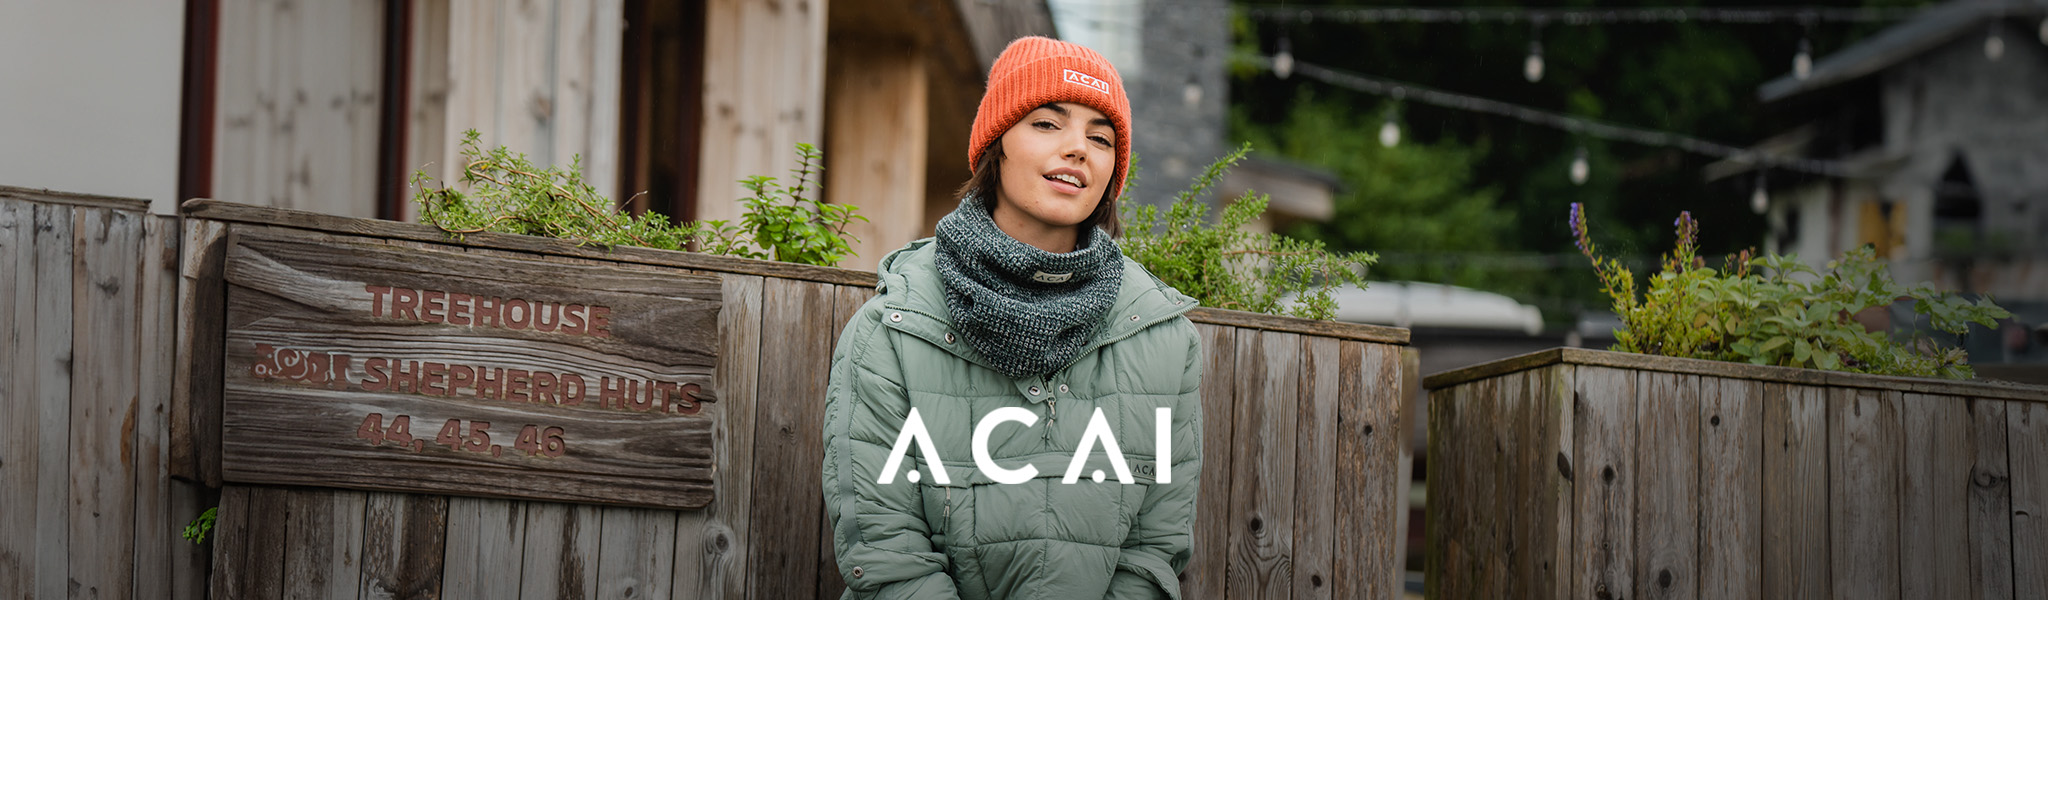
1027, 311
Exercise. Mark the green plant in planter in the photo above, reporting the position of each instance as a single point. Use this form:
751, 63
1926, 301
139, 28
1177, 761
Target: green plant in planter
1208, 260
1757, 311
508, 194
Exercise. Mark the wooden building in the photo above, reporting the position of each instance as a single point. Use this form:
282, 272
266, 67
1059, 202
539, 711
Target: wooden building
332, 106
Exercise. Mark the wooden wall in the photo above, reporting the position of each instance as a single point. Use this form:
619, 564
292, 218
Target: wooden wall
298, 98
538, 76
88, 290
1301, 485
1589, 474
764, 91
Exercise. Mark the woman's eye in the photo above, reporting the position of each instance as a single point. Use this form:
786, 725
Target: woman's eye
1101, 140
1044, 125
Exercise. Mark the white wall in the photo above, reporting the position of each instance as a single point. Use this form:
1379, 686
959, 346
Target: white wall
91, 96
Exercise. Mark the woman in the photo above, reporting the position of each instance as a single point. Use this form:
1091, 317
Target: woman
1017, 413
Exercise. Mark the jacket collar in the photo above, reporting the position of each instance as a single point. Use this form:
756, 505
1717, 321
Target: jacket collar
909, 284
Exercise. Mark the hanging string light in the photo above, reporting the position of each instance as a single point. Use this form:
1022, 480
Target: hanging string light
1759, 200
1802, 64
1994, 44
1580, 169
1532, 67
2044, 30
1283, 61
1390, 132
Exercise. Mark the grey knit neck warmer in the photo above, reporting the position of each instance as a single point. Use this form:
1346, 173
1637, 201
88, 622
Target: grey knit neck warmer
1027, 311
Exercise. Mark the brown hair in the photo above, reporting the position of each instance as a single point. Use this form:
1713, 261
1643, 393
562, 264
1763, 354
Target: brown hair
987, 179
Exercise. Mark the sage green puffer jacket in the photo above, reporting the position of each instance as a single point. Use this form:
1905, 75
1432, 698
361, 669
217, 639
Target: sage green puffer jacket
976, 537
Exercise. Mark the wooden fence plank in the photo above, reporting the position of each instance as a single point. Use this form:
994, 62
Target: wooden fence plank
1369, 436
190, 562
635, 554
1554, 501
269, 520
1667, 519
459, 548
1934, 551
404, 542
1990, 502
196, 385
1795, 486
1510, 484
846, 300
486, 544
1603, 428
2027, 443
1261, 524
561, 551
789, 440
1437, 507
106, 361
324, 544
19, 398
1315, 470
1863, 480
1204, 577
52, 382
156, 542
230, 545
1731, 489
711, 542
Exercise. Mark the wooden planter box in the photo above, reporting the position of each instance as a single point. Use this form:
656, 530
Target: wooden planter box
1576, 473
1303, 482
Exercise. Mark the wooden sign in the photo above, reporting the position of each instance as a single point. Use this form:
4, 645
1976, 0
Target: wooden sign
358, 363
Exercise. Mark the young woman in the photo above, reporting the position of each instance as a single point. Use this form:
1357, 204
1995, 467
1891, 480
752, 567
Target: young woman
1017, 413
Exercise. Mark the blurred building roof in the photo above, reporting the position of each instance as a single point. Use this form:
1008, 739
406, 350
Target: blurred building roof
1932, 28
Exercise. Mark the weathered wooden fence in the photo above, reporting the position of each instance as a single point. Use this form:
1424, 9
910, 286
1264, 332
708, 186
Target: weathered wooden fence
1302, 480
87, 505
1591, 474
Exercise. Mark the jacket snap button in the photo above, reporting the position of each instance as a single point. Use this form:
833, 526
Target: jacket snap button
1134, 318
896, 317
949, 337
1063, 388
857, 572
1034, 391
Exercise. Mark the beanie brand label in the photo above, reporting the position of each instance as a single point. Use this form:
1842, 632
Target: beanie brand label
1085, 79
1047, 277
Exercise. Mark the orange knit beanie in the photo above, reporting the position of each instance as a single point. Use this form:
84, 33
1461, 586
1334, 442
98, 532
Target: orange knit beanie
1034, 71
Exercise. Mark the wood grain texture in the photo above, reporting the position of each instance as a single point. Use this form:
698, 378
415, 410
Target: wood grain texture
1796, 564
25, 195
404, 542
1991, 519
157, 546
1262, 490
106, 364
1438, 508
299, 86
764, 91
1370, 482
1864, 451
635, 553
561, 551
20, 410
1731, 489
1724, 369
711, 542
1552, 543
267, 524
877, 132
789, 440
196, 382
1404, 511
229, 545
303, 296
1205, 575
1510, 484
1667, 519
323, 544
1603, 428
53, 387
1934, 543
190, 563
2027, 437
846, 300
1316, 434
485, 546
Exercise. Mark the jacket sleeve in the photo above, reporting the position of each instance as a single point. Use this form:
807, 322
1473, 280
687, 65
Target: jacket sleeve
879, 534
1162, 535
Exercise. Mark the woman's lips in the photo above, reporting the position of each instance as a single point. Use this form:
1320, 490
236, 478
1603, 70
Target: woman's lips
1063, 187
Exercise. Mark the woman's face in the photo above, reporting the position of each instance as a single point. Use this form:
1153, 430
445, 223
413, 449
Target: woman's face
1057, 162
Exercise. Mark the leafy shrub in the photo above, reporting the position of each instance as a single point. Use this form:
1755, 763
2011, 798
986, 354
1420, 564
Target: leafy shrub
1755, 311
1222, 265
196, 530
508, 194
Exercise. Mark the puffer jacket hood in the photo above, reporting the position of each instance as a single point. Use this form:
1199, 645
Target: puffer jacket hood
974, 535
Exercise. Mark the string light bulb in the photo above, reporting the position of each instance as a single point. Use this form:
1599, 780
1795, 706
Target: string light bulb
1532, 67
1994, 45
1759, 200
1390, 133
2044, 30
1580, 169
1802, 64
1283, 61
